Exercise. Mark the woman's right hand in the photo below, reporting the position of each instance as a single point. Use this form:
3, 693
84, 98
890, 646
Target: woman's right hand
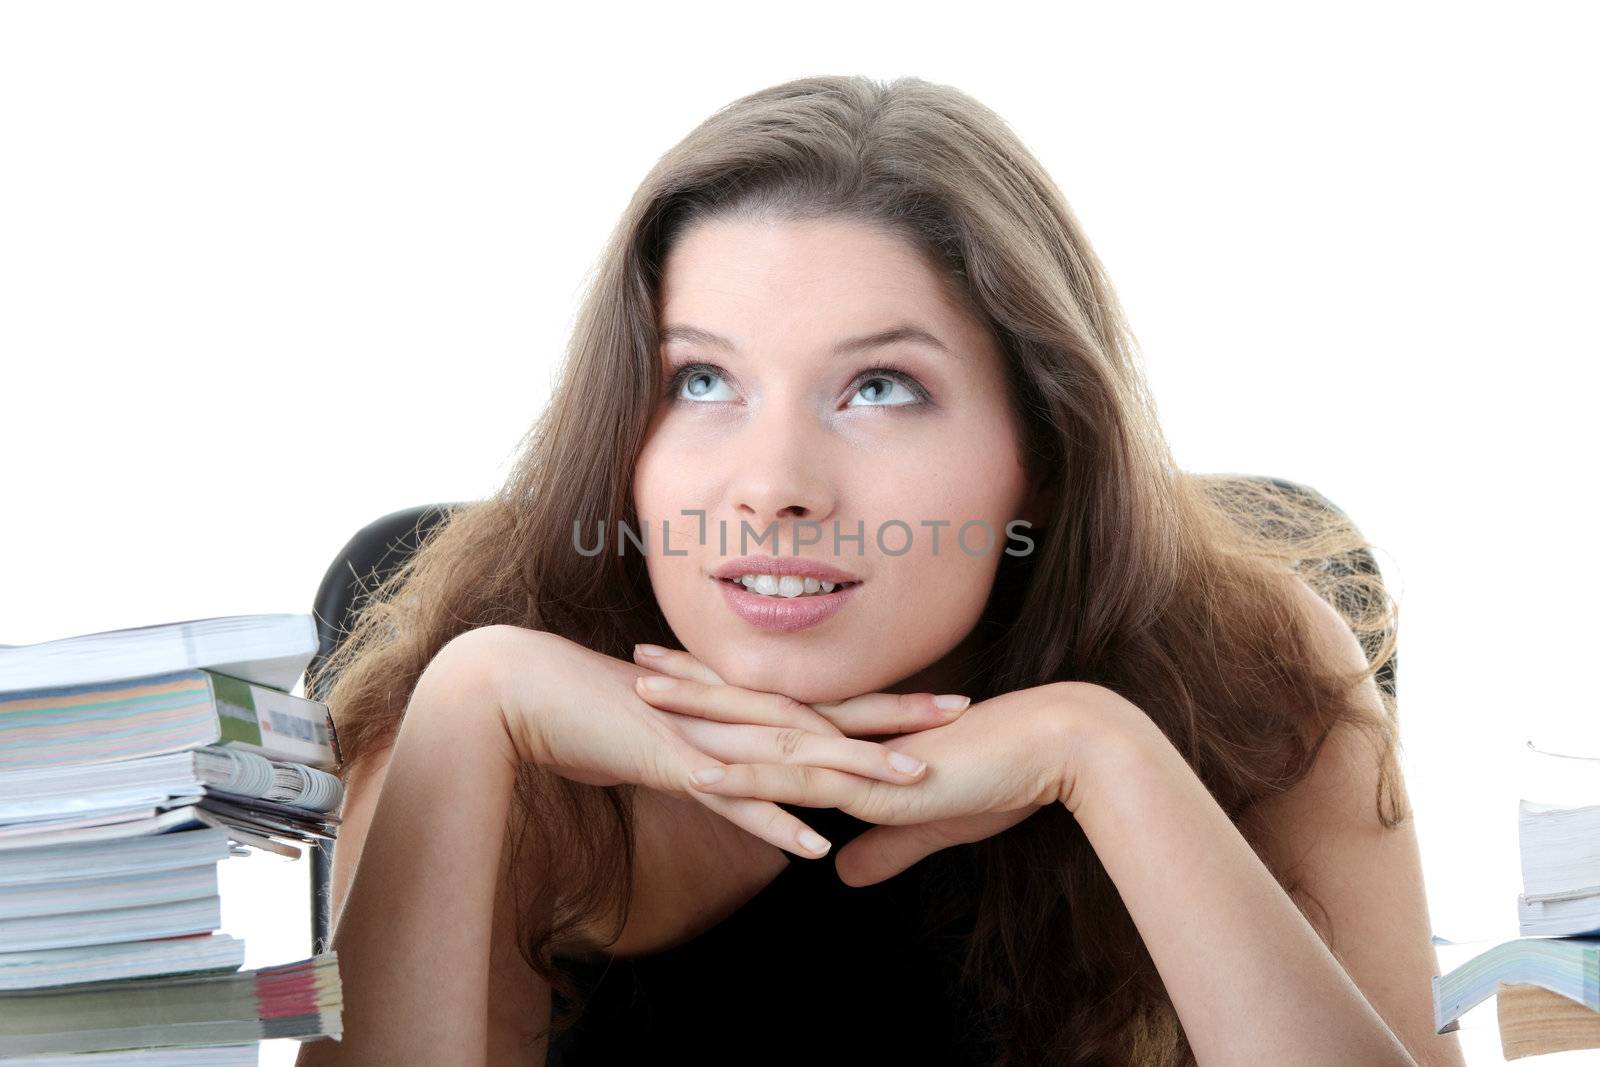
575, 711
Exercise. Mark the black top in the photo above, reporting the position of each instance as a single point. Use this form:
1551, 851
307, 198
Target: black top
809, 970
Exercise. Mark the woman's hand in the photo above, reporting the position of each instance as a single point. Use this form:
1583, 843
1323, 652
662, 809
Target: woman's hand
996, 764
579, 713
868, 715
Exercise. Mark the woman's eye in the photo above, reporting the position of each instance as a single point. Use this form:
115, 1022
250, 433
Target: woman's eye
880, 387
695, 382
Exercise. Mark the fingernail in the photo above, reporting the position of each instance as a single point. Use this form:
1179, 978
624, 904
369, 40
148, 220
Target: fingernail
812, 842
657, 681
951, 702
650, 650
707, 776
902, 762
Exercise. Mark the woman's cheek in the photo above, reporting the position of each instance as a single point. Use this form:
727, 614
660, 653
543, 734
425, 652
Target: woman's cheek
940, 600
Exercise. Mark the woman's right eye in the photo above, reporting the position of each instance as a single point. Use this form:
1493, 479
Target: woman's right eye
695, 382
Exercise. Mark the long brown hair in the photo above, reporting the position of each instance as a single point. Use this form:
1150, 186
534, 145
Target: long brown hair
1165, 586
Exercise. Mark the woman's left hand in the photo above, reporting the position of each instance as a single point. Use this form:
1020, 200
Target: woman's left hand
1000, 761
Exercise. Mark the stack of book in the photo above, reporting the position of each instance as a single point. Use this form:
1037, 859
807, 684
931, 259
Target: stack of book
131, 763
1546, 983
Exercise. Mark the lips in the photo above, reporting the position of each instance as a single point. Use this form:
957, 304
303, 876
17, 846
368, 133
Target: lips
778, 566
784, 614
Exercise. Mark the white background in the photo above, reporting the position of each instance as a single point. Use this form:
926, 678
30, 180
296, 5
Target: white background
268, 272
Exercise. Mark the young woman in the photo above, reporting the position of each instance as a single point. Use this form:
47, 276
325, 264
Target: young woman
859, 321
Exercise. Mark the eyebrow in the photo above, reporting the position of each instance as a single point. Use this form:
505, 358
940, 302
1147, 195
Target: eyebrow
894, 335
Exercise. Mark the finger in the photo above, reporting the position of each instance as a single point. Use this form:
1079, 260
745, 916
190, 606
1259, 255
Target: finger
873, 714
881, 852
673, 662
810, 787
884, 851
736, 743
729, 703
761, 818
867, 715
769, 822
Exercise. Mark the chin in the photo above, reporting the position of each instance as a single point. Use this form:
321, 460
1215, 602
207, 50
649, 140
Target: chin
803, 685
794, 676
807, 682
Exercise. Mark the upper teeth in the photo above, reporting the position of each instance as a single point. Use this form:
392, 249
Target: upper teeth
789, 585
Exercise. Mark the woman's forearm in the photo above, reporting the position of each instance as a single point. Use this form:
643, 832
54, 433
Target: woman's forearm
1250, 979
413, 939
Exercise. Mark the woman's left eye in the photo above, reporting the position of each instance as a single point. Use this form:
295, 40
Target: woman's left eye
883, 382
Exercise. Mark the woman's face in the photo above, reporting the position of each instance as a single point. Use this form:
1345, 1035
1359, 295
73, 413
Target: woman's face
780, 432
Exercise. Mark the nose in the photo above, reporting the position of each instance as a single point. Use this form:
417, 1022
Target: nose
781, 475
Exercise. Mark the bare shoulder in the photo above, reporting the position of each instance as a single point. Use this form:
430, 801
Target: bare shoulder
692, 869
363, 781
1330, 628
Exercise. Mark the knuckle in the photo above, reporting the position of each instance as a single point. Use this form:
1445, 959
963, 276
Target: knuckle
776, 823
789, 739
